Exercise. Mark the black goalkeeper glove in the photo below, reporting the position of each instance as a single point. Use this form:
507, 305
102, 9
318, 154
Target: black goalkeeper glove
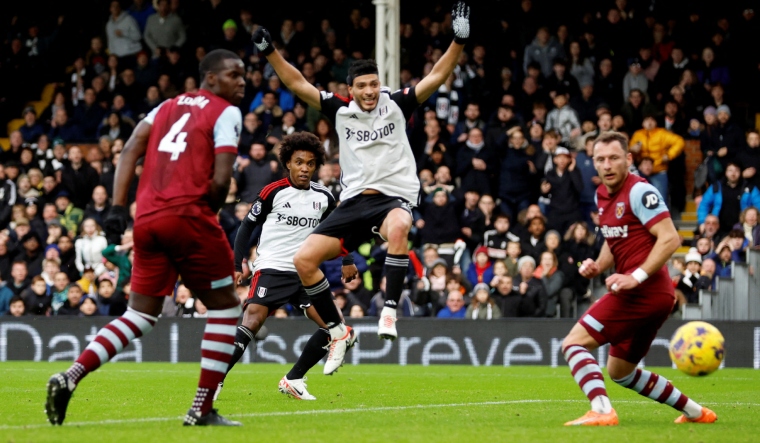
116, 223
460, 20
263, 41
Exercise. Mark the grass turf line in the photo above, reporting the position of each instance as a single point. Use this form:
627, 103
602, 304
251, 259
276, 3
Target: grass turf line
144, 402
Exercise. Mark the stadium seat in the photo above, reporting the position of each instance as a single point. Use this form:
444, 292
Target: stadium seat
5, 143
15, 124
47, 93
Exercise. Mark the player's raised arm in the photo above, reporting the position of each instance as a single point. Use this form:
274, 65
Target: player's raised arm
116, 221
289, 75
460, 17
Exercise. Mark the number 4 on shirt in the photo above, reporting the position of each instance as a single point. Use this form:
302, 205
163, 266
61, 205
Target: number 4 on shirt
169, 144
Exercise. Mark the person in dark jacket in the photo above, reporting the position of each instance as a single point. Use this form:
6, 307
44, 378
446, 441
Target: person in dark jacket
439, 222
577, 247
79, 178
563, 184
475, 165
37, 297
255, 173
517, 171
531, 288
749, 159
507, 297
730, 138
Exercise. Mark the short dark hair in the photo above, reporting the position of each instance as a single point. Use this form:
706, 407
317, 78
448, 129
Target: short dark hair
214, 61
502, 215
613, 136
359, 68
301, 141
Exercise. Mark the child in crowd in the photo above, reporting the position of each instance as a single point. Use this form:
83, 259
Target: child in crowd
481, 269
482, 307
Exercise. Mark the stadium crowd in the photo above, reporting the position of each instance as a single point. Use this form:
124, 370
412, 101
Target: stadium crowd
503, 149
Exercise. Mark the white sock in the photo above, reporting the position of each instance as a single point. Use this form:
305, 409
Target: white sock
602, 405
692, 409
337, 332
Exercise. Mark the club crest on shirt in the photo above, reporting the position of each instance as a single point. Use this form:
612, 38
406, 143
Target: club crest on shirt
262, 292
620, 210
383, 110
317, 205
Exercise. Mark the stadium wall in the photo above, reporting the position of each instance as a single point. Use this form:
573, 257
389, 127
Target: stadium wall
422, 341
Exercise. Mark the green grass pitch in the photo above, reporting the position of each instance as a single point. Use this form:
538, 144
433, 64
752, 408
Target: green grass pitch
384, 403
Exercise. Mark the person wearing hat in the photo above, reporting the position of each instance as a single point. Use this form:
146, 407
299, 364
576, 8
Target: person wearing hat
691, 282
481, 269
482, 306
30, 130
563, 186
31, 252
164, 29
635, 78
530, 288
661, 146
69, 216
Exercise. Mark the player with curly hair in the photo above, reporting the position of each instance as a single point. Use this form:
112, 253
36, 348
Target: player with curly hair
287, 211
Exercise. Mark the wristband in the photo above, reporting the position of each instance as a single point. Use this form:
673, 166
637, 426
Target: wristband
640, 275
348, 260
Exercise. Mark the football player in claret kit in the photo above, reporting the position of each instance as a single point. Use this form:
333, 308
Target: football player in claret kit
287, 211
639, 239
380, 184
189, 144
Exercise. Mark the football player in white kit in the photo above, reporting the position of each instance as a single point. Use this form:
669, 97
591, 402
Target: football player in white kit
380, 184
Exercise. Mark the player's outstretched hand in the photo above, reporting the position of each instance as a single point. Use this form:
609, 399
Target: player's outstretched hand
349, 272
620, 282
116, 223
460, 20
263, 41
589, 268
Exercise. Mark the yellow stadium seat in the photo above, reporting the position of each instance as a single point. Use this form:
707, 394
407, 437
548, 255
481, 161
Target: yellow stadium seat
39, 107
15, 124
47, 93
5, 143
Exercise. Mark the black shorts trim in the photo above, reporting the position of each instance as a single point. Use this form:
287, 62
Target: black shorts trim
358, 219
274, 289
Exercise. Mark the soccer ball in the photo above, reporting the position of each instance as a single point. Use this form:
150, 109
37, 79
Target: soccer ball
697, 348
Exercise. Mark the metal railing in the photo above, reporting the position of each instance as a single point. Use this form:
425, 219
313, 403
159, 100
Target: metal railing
734, 298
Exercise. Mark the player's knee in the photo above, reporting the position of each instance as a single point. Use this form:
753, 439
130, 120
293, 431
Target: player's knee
618, 373
303, 263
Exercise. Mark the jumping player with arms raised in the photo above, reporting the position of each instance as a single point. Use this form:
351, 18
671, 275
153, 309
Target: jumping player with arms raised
189, 144
379, 179
287, 210
639, 239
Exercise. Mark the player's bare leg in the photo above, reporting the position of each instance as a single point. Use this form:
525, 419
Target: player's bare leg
659, 389
111, 339
395, 230
216, 351
586, 371
316, 249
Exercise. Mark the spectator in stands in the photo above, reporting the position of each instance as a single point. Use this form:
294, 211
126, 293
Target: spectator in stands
252, 132
454, 306
496, 240
730, 139
63, 128
115, 127
328, 137
78, 178
563, 118
31, 129
31, 252
709, 71
255, 173
472, 120
517, 171
749, 159
37, 297
748, 223
723, 260
482, 306
286, 100
726, 198
471, 219
563, 185
89, 247
74, 295
551, 278
98, 208
608, 84
584, 161
636, 108
69, 215
8, 197
499, 124
146, 71
475, 162
661, 146
88, 114
164, 29
507, 298
123, 33
439, 222
19, 277
269, 113
481, 268
531, 289
544, 49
